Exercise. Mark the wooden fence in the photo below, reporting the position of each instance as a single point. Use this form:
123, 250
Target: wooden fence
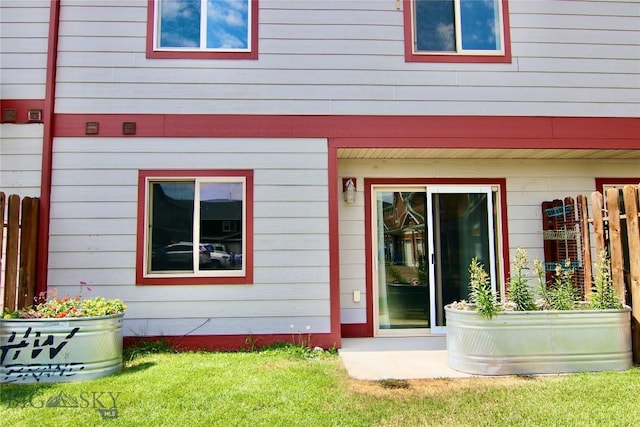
613, 219
18, 258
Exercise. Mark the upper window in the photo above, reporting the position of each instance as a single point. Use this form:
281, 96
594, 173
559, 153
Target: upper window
457, 31
203, 29
194, 229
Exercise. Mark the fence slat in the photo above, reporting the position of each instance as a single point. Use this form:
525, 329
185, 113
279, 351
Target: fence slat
615, 242
631, 204
18, 267
598, 226
11, 267
585, 242
2, 205
28, 251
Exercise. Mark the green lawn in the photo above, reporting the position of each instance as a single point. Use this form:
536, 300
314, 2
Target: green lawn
289, 387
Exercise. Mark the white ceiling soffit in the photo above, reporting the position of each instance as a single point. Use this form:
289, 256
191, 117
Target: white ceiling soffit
447, 153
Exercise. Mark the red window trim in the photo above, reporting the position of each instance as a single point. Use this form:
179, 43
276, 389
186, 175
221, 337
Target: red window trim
410, 56
601, 182
195, 173
505, 264
160, 54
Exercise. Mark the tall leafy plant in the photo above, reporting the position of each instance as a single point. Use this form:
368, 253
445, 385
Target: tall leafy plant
481, 293
520, 294
603, 294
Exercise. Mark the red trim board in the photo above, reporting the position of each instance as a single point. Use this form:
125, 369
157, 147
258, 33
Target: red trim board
22, 107
601, 182
507, 132
42, 268
236, 342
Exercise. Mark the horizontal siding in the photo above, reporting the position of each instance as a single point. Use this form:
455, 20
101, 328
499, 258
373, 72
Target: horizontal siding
21, 159
577, 58
528, 182
232, 325
94, 221
23, 54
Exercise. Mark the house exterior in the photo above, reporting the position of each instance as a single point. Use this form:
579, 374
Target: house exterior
151, 130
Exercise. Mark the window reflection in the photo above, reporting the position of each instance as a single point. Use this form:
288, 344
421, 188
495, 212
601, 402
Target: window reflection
226, 25
219, 228
436, 28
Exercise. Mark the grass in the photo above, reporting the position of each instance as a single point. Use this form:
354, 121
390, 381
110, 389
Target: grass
289, 386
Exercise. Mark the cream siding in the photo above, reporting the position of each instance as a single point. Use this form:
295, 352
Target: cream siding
24, 28
528, 182
93, 233
577, 58
21, 159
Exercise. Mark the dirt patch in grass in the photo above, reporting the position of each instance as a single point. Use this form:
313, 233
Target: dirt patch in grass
430, 387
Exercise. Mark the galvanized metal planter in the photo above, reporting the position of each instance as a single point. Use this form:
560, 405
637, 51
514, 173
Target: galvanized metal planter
539, 342
60, 350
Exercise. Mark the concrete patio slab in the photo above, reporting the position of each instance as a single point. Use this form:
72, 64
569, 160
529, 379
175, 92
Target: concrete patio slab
398, 358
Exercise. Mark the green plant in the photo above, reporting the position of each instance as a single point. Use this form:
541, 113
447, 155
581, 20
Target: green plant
520, 294
542, 297
280, 389
142, 347
603, 296
48, 306
481, 293
252, 342
394, 274
300, 341
421, 270
563, 295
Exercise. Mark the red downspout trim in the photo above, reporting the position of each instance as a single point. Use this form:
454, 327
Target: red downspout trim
47, 148
334, 245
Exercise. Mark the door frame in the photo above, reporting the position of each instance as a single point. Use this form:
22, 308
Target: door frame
431, 250
501, 231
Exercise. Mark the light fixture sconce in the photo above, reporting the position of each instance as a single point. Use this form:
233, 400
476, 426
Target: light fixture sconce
349, 189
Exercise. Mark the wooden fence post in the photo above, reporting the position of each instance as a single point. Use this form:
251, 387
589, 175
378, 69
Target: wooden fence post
28, 251
2, 205
585, 242
598, 226
11, 266
19, 263
632, 203
615, 242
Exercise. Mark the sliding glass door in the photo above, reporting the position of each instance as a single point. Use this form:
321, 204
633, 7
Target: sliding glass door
461, 228
424, 240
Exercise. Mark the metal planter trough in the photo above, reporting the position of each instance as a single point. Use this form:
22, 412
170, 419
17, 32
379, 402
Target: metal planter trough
60, 350
539, 342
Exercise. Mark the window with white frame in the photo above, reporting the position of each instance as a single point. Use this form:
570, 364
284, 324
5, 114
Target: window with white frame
195, 226
204, 27
458, 28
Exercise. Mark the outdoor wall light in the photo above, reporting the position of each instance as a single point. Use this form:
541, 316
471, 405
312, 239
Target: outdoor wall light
349, 189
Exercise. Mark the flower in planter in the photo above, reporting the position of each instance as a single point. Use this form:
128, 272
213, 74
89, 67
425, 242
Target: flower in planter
48, 306
560, 294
